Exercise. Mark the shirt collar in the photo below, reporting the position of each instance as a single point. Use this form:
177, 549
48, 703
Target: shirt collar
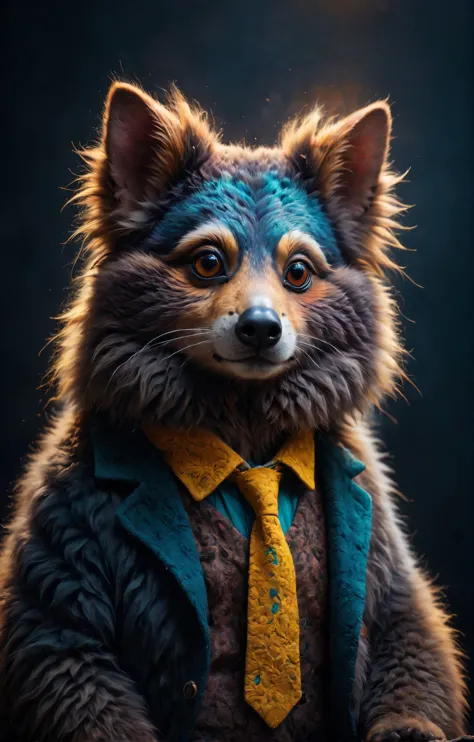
202, 461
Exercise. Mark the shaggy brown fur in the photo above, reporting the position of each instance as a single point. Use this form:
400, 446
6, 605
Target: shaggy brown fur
418, 682
136, 341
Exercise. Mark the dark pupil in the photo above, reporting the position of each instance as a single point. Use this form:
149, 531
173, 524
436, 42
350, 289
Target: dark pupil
209, 263
298, 271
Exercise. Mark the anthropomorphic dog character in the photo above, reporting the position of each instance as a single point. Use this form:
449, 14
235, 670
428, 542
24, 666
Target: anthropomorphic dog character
205, 546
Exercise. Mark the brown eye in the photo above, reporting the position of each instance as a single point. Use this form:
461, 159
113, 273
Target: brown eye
208, 265
297, 276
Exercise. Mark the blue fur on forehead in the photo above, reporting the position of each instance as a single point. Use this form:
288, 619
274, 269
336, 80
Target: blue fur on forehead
257, 210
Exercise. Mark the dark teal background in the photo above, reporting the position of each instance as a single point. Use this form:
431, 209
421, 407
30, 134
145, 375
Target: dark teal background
253, 64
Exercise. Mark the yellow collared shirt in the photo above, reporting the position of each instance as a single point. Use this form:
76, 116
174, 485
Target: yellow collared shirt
204, 464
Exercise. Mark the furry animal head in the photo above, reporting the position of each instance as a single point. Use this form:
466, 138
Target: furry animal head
227, 286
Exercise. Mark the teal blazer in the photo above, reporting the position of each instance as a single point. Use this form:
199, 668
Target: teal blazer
154, 514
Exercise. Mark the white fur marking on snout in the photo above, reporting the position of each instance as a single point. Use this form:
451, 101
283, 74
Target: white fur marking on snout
228, 346
260, 300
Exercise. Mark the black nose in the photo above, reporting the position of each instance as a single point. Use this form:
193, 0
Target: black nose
259, 327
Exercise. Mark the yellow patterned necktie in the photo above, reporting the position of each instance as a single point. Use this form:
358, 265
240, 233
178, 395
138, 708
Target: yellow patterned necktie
202, 462
272, 671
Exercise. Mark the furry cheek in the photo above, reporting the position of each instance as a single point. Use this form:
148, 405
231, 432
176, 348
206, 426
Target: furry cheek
299, 306
320, 289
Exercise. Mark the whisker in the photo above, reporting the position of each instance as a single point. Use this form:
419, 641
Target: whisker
176, 339
181, 329
313, 346
320, 340
182, 350
311, 359
150, 344
309, 345
307, 355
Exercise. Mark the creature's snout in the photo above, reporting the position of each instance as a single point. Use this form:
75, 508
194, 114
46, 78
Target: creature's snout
259, 327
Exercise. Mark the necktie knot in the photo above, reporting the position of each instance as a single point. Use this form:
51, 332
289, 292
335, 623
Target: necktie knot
260, 487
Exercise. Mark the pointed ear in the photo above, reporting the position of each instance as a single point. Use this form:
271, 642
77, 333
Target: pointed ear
148, 146
344, 163
343, 160
357, 148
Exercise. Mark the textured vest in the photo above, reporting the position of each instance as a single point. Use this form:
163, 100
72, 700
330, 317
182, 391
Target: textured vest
224, 557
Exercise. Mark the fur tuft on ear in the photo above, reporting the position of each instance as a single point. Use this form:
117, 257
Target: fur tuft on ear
146, 149
345, 163
148, 145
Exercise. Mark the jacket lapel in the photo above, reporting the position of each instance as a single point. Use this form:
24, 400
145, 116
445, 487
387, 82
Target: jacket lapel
154, 512
349, 525
155, 515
